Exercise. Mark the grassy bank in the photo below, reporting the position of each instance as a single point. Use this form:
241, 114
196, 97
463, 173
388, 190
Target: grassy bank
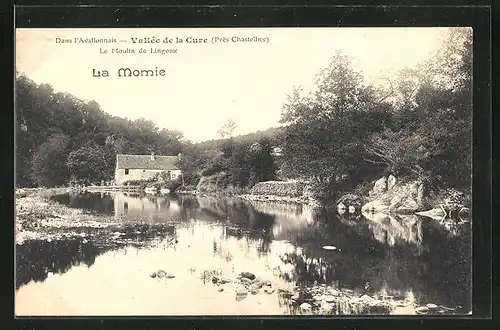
38, 216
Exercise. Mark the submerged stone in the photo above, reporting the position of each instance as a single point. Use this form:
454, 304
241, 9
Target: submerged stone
224, 280
241, 293
241, 290
422, 310
240, 297
367, 298
255, 287
161, 273
333, 292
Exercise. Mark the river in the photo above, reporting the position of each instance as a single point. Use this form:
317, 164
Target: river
405, 258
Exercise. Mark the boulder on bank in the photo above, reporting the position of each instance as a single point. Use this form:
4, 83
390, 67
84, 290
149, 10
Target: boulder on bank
379, 187
391, 182
390, 196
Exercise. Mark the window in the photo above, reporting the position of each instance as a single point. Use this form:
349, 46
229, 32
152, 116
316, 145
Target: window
126, 171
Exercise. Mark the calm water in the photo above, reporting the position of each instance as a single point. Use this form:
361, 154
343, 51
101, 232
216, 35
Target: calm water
410, 258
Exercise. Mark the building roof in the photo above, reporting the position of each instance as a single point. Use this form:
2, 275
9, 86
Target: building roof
145, 162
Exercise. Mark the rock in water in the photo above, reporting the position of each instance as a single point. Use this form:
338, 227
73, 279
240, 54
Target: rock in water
169, 276
333, 292
153, 275
241, 290
161, 274
224, 280
248, 275
422, 310
326, 307
220, 289
366, 297
305, 307
329, 247
240, 297
241, 293
255, 287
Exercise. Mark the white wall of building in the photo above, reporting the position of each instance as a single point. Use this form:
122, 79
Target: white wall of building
138, 174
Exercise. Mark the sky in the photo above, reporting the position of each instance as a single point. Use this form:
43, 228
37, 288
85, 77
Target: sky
206, 84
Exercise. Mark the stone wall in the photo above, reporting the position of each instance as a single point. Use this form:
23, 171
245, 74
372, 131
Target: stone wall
279, 188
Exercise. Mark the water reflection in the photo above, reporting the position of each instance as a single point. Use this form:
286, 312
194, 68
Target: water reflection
52, 257
88, 202
385, 257
146, 206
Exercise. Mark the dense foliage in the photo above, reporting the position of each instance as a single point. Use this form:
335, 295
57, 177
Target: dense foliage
60, 138
63, 140
417, 124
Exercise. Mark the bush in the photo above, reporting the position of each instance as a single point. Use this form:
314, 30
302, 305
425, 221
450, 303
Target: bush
173, 185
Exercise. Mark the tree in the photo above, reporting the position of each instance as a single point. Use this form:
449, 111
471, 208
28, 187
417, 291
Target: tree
261, 161
88, 164
49, 163
325, 126
431, 131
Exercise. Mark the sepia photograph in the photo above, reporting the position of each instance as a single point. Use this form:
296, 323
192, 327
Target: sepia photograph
243, 171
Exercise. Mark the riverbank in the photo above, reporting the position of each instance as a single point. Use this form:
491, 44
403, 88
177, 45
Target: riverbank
388, 194
393, 195
40, 218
